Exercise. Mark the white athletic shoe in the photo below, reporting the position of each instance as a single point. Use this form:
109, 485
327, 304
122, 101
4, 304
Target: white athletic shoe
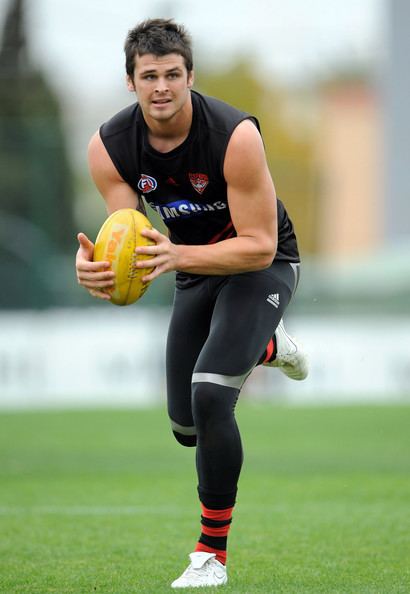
290, 358
204, 570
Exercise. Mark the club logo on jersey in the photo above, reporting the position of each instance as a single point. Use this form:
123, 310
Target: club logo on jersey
199, 181
147, 183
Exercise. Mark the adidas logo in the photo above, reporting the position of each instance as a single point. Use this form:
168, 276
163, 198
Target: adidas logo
273, 299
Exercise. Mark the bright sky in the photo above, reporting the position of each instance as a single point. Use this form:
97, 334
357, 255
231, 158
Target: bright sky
79, 43
81, 40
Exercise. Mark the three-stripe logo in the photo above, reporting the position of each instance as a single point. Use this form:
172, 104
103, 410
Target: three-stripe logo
274, 299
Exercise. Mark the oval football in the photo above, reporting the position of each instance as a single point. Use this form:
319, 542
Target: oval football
116, 241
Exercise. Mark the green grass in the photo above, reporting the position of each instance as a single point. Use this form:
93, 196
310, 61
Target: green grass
105, 501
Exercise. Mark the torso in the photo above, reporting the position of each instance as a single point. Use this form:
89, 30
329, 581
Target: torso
182, 179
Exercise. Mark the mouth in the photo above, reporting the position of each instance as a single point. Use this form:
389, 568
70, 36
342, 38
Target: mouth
161, 101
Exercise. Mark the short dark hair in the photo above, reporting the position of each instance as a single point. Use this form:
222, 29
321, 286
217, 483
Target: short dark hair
158, 37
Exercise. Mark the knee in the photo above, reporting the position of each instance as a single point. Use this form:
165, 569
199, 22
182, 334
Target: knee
188, 441
184, 435
205, 399
212, 403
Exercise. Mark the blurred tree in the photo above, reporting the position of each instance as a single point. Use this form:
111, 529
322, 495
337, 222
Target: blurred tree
288, 142
35, 181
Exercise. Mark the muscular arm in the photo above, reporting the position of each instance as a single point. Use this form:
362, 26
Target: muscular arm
96, 276
252, 203
115, 191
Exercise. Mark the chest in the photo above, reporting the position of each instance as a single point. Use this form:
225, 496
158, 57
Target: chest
192, 172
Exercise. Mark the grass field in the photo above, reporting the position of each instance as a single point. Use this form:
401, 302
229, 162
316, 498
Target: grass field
105, 501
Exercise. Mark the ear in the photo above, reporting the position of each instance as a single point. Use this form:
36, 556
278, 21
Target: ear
191, 79
130, 84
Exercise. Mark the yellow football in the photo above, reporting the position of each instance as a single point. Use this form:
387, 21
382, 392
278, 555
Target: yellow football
116, 243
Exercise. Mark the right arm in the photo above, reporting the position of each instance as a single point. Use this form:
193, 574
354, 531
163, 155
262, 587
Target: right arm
97, 276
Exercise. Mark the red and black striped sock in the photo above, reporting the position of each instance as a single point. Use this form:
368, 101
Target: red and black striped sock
269, 353
215, 525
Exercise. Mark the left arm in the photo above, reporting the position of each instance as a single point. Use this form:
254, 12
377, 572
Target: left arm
252, 204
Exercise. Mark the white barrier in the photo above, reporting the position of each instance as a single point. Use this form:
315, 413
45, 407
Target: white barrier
103, 356
115, 357
351, 360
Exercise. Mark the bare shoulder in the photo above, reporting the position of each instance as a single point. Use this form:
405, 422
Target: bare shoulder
245, 154
245, 139
245, 130
99, 161
115, 191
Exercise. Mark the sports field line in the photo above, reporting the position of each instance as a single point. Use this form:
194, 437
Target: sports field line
107, 510
88, 510
101, 510
130, 510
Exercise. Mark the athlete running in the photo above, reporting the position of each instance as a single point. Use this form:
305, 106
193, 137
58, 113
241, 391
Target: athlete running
200, 163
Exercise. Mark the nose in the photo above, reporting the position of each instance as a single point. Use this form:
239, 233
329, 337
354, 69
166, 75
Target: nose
161, 85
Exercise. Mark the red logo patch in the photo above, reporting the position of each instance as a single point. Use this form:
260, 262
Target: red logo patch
199, 181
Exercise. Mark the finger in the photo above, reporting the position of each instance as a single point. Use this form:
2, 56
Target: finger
161, 265
92, 284
147, 250
151, 263
153, 275
151, 234
95, 275
84, 241
99, 294
88, 266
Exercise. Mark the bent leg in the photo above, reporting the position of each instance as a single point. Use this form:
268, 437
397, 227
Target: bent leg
187, 333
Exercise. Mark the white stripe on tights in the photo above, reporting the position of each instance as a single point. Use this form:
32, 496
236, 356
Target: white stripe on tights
230, 381
183, 430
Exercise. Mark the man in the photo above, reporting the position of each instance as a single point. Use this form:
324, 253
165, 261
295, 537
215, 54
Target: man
200, 164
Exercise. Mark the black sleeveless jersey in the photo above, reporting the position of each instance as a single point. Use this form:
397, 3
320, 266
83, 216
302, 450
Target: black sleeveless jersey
186, 186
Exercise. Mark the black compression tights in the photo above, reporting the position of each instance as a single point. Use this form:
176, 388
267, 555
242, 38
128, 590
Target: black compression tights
219, 448
219, 330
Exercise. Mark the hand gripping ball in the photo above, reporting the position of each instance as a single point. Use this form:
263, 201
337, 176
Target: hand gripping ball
116, 241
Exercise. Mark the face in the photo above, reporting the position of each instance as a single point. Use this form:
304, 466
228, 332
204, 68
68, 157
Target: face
162, 85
